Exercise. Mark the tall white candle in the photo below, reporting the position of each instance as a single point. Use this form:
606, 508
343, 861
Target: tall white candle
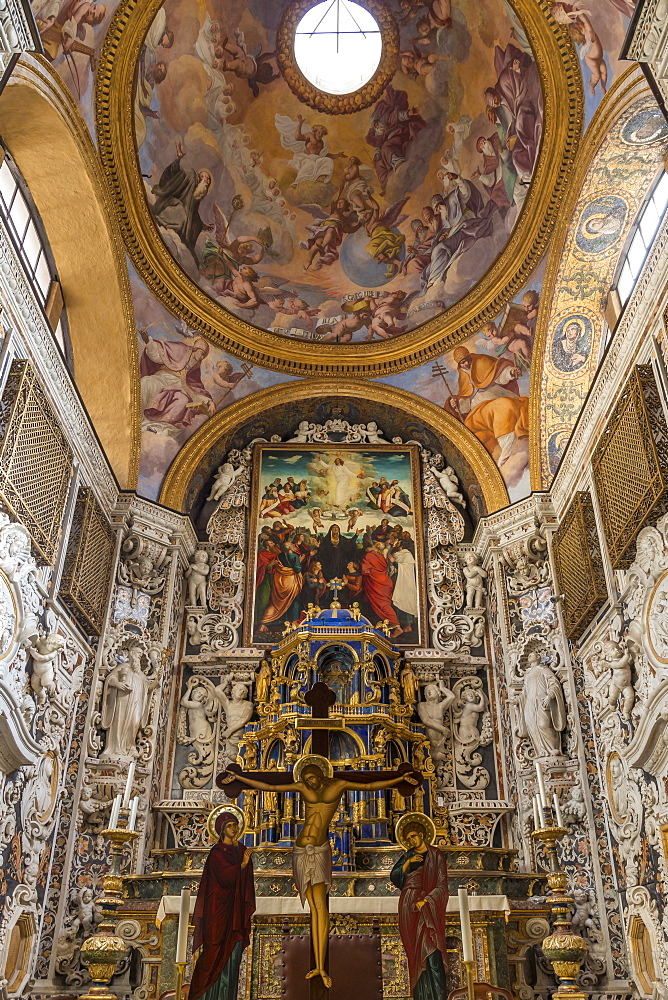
541, 811
134, 806
465, 920
536, 814
115, 812
184, 919
557, 810
129, 781
541, 785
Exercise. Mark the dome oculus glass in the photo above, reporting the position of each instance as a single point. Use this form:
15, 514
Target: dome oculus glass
338, 46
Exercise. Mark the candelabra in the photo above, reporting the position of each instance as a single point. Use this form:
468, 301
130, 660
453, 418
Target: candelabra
564, 949
102, 952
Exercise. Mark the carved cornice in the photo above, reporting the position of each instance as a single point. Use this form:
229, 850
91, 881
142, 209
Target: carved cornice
237, 414
559, 70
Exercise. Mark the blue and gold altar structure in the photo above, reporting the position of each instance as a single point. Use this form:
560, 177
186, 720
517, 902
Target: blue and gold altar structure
368, 728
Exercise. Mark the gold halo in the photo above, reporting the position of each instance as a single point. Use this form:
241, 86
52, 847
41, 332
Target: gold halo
408, 819
312, 758
227, 807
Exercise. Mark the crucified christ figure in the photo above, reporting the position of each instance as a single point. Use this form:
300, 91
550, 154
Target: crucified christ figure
312, 854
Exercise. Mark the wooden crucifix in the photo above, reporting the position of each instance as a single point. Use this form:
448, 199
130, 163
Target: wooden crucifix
321, 788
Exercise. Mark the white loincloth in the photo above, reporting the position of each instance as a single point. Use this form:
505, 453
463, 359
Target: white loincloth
311, 866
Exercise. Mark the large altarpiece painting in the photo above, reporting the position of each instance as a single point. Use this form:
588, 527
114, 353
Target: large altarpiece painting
348, 515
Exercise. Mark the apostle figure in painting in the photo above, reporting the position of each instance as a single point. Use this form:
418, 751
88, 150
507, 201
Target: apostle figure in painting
404, 596
286, 585
422, 875
223, 911
178, 195
378, 587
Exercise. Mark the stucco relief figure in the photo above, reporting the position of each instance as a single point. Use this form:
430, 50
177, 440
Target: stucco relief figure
449, 484
238, 711
437, 700
542, 708
474, 576
612, 656
225, 476
44, 654
126, 704
197, 573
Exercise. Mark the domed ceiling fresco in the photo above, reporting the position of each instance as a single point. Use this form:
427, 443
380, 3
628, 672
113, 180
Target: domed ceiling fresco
321, 224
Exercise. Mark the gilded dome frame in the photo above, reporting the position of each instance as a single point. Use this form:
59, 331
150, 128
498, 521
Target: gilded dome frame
563, 101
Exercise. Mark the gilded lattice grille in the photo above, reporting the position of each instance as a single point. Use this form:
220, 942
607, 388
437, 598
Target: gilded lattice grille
630, 465
579, 565
35, 460
89, 559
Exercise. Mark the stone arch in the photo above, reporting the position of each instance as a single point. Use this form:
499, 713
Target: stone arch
43, 129
183, 467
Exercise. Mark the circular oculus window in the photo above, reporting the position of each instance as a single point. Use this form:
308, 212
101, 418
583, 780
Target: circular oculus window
337, 55
338, 46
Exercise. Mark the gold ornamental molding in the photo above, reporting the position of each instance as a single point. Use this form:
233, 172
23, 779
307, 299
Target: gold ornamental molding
236, 415
629, 88
579, 565
630, 465
563, 117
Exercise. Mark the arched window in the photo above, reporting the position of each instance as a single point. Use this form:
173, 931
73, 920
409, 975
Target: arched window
27, 234
641, 238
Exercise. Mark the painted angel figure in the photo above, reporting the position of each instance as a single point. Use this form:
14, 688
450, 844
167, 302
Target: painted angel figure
311, 157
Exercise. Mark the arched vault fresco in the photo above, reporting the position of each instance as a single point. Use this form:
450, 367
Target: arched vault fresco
194, 465
407, 244
628, 142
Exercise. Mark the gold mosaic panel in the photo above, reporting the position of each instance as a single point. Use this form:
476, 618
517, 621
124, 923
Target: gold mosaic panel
630, 465
579, 565
35, 460
84, 588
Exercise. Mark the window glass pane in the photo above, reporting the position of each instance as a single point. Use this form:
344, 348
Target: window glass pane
32, 244
19, 214
636, 255
661, 194
43, 276
625, 283
7, 184
649, 223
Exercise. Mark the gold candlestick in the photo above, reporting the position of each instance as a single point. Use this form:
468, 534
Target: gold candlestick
104, 949
564, 949
180, 974
469, 968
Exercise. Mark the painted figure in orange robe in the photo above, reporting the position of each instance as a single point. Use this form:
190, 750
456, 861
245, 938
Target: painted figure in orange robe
489, 401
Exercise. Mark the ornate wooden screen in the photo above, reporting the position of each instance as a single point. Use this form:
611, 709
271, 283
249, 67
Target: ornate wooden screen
35, 460
630, 465
579, 565
89, 559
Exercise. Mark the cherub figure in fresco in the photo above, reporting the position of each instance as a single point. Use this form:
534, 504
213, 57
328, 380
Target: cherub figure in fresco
292, 310
584, 35
415, 63
387, 310
409, 10
385, 244
327, 235
310, 153
513, 340
358, 315
254, 67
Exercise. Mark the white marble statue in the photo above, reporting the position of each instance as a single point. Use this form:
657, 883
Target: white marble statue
126, 704
542, 707
44, 654
301, 435
374, 434
238, 711
437, 699
225, 476
618, 661
196, 574
474, 576
449, 483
